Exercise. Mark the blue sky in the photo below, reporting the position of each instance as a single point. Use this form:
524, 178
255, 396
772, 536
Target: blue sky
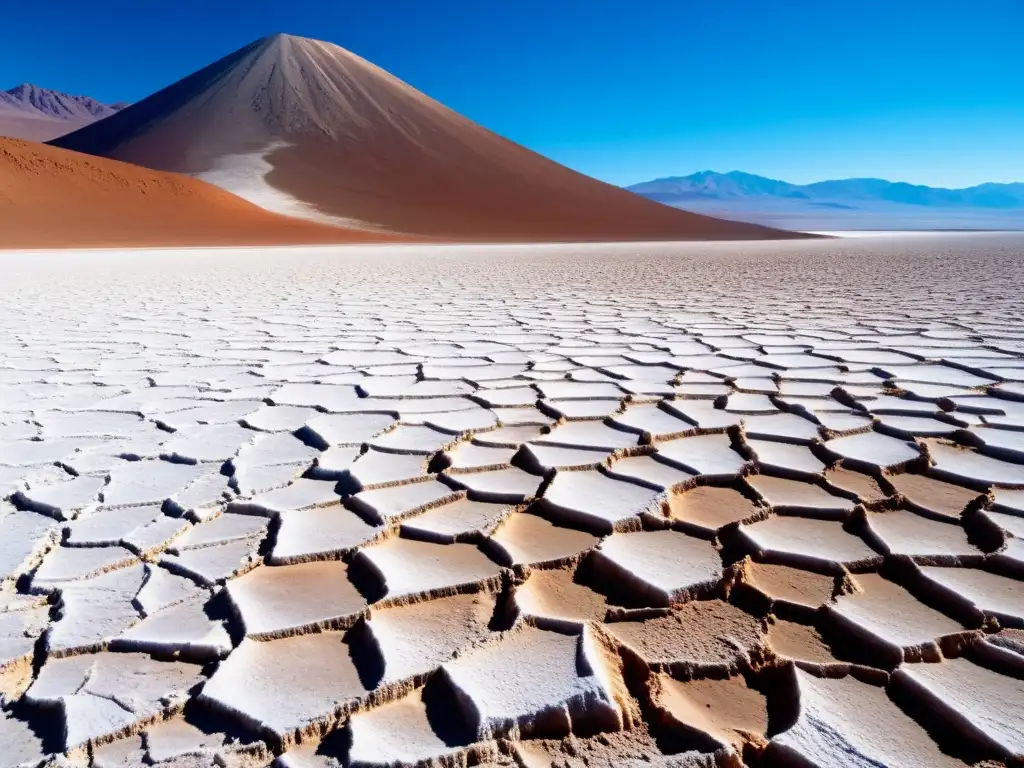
625, 90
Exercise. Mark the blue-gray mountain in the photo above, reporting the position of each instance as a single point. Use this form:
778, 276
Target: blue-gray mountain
40, 114
842, 203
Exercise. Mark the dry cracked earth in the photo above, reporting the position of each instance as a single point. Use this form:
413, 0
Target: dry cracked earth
702, 505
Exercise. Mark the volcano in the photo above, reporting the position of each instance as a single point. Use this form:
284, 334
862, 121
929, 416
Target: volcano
306, 128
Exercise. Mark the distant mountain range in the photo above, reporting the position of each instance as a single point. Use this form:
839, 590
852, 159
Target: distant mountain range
40, 114
213, 138
841, 203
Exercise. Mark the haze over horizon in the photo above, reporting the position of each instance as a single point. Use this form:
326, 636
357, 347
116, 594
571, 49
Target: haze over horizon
919, 93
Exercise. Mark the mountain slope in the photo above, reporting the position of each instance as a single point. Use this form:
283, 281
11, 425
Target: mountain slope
708, 184
39, 114
840, 203
53, 198
308, 128
711, 185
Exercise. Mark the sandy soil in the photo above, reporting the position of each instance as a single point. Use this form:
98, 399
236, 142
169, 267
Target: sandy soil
779, 582
934, 495
799, 642
712, 508
340, 137
727, 710
55, 198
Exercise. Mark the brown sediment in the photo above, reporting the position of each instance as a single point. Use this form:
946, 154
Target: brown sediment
699, 638
710, 507
16, 676
799, 642
636, 746
601, 653
527, 539
55, 198
791, 585
728, 711
931, 495
350, 140
866, 487
552, 599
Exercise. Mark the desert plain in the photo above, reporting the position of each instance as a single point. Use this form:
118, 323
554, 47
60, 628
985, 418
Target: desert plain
658, 504
296, 472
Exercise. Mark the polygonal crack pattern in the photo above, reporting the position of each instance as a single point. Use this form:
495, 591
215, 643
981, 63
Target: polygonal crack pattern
298, 510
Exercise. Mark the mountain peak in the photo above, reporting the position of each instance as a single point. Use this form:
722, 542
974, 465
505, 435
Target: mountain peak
54, 104
282, 37
734, 184
308, 128
282, 41
739, 188
28, 111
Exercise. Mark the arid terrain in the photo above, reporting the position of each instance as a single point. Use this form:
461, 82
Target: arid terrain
55, 198
307, 128
289, 141
573, 505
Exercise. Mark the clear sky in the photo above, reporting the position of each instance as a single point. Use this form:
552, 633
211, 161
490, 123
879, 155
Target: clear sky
926, 91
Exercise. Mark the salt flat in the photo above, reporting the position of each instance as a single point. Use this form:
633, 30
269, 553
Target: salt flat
514, 505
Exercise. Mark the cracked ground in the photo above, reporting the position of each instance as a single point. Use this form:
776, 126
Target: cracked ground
659, 505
